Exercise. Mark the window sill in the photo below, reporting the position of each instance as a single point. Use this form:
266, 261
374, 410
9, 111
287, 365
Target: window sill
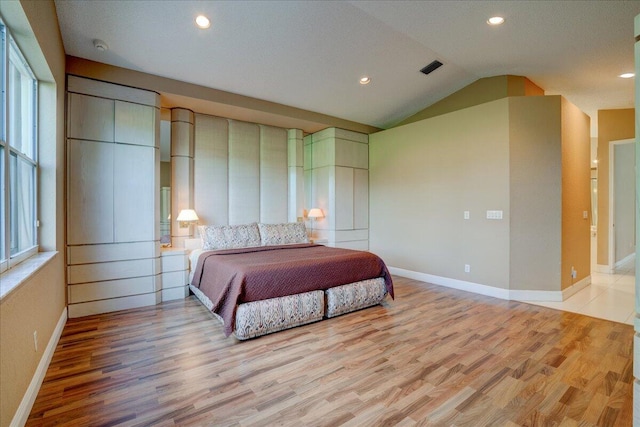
11, 279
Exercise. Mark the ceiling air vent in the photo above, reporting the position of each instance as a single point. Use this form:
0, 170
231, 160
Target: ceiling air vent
431, 67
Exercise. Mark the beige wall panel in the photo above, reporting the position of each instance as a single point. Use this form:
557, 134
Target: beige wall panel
351, 135
86, 254
343, 198
182, 139
244, 173
295, 147
111, 270
536, 192
296, 175
296, 193
359, 245
181, 196
349, 235
111, 289
351, 154
114, 304
309, 194
135, 124
424, 175
360, 198
135, 198
323, 192
211, 191
93, 118
114, 91
182, 115
323, 153
90, 207
576, 194
274, 185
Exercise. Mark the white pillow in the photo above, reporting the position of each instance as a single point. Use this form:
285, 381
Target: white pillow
229, 236
283, 234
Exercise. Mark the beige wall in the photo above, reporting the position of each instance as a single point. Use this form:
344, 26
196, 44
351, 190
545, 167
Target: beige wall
479, 92
526, 156
38, 303
424, 175
576, 194
214, 102
613, 125
535, 192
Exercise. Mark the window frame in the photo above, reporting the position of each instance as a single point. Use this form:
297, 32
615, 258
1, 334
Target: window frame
7, 259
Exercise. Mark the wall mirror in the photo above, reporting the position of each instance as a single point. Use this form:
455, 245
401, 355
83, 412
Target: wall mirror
165, 182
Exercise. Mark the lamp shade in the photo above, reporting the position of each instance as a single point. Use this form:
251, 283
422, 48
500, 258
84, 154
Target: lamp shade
187, 215
315, 213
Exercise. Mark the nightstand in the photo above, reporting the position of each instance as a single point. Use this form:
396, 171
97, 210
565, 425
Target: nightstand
175, 274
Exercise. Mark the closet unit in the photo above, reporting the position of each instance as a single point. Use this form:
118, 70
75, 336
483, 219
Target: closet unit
113, 191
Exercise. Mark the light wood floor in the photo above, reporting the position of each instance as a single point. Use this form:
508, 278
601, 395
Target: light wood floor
434, 356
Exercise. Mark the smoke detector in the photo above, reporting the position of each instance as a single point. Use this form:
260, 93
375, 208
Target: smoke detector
100, 45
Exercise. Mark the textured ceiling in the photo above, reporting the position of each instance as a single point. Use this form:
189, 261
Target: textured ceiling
310, 54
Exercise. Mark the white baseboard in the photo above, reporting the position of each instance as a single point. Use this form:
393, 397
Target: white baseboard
603, 268
625, 260
462, 285
491, 291
576, 287
22, 414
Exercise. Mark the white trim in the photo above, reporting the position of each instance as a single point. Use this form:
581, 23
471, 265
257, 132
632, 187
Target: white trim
462, 285
531, 295
625, 260
22, 414
604, 269
575, 288
491, 291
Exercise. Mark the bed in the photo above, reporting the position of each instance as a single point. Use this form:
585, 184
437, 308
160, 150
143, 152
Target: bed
262, 278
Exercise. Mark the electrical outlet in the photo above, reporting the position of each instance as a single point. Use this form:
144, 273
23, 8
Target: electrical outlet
467, 268
35, 340
574, 273
466, 214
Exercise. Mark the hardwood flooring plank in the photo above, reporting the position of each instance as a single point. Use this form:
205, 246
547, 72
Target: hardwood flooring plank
432, 356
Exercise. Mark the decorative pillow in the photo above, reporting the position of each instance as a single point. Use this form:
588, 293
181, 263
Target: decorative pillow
229, 236
283, 234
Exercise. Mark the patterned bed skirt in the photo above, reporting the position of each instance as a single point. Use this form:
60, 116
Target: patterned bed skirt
258, 318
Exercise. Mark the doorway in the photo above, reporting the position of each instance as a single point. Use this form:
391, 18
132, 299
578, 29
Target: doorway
622, 200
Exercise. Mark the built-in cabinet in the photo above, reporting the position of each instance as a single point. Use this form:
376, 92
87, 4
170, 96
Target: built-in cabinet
113, 208
336, 176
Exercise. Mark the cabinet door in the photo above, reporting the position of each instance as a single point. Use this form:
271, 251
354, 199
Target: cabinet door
90, 118
134, 193
135, 123
90, 192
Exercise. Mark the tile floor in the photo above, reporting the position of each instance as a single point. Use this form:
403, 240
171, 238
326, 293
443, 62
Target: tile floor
610, 296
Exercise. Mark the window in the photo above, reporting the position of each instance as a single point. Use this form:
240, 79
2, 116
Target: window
18, 154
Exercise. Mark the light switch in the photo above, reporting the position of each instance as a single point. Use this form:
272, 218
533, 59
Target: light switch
466, 214
585, 214
494, 214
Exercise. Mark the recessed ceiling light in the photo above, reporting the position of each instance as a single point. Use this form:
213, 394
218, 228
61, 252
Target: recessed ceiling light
627, 75
495, 20
202, 21
365, 80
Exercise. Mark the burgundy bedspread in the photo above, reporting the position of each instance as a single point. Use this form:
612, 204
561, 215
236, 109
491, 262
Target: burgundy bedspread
233, 276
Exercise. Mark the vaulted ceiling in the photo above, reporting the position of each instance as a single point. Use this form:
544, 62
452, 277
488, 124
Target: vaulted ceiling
311, 54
